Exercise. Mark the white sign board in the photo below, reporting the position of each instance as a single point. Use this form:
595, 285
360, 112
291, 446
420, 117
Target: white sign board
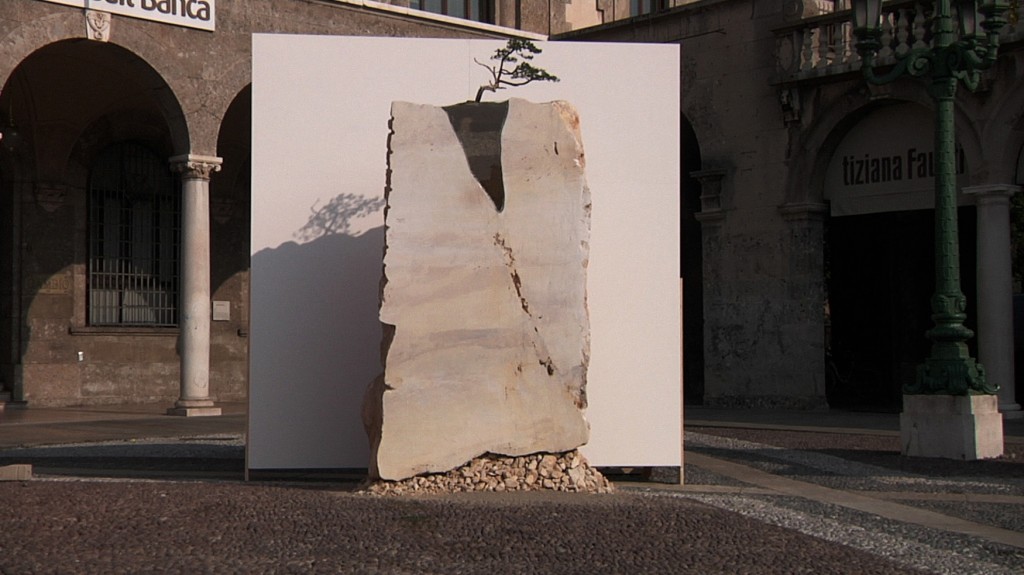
321, 107
201, 14
886, 163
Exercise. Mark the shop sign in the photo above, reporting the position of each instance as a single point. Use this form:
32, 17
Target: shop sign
199, 14
887, 163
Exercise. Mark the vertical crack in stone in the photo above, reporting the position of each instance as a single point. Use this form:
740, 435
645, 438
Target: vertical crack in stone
518, 283
538, 347
478, 127
510, 263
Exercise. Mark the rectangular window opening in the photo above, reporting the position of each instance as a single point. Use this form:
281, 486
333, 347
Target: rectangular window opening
134, 237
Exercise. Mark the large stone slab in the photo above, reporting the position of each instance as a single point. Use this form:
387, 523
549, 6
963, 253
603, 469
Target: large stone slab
484, 300
965, 427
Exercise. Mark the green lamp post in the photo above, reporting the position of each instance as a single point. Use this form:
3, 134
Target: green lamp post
954, 56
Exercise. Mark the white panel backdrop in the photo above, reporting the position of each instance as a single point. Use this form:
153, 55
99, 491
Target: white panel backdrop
320, 124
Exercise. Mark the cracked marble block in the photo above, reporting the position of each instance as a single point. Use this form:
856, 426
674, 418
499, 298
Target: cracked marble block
484, 300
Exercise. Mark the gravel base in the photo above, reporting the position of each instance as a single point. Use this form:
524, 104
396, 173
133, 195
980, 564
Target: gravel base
568, 472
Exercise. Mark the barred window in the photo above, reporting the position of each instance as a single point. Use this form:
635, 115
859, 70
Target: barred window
641, 7
478, 10
134, 239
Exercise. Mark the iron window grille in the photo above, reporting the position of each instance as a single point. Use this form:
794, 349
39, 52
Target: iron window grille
134, 239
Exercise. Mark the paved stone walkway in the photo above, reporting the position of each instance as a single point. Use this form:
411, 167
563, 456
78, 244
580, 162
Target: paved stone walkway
935, 515
760, 497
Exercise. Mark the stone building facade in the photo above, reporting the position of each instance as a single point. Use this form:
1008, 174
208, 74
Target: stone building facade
811, 288
800, 290
124, 188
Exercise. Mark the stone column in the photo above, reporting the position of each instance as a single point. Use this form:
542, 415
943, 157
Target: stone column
995, 291
194, 322
712, 219
804, 322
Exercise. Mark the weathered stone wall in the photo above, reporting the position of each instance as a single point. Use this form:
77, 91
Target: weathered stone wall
764, 221
763, 298
763, 311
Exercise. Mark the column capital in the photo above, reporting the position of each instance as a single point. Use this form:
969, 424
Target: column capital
196, 167
991, 190
711, 209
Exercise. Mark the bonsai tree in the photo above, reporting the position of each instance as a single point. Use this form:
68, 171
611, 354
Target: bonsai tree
516, 52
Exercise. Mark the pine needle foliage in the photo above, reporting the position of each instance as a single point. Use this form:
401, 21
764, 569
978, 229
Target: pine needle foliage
513, 67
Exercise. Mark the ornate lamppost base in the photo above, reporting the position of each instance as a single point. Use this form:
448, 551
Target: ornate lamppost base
952, 374
951, 410
964, 427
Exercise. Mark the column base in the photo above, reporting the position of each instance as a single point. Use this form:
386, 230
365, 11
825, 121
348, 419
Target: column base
965, 427
194, 408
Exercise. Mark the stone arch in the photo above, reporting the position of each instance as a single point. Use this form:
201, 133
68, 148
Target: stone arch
70, 99
72, 87
875, 293
230, 188
196, 132
47, 25
1004, 138
54, 26
230, 224
209, 100
1004, 134
827, 129
230, 197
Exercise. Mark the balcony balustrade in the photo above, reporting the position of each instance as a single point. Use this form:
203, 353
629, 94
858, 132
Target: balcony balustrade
824, 45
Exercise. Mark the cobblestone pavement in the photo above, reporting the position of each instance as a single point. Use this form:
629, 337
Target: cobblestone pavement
940, 516
755, 501
177, 527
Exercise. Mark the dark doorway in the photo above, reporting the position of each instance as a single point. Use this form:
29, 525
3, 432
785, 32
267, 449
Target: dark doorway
880, 278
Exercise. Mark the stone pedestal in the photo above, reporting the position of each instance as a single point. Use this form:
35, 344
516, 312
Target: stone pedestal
951, 426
